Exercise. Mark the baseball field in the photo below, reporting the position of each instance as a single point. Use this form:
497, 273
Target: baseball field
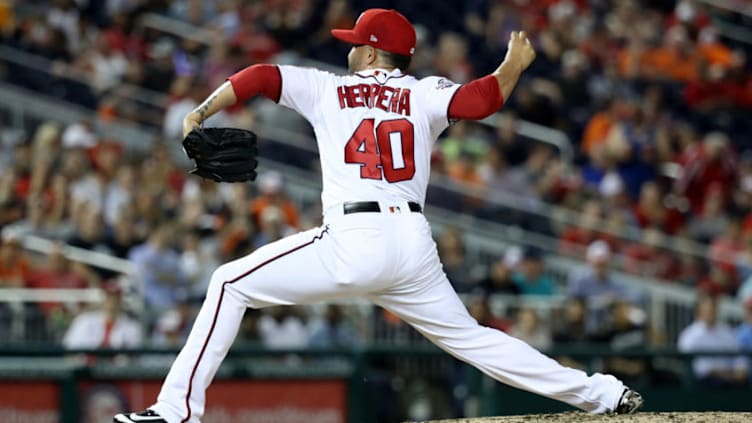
694, 417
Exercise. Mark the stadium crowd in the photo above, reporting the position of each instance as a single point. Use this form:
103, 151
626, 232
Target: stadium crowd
655, 102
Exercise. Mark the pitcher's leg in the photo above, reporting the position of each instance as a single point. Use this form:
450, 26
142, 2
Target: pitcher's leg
435, 310
288, 271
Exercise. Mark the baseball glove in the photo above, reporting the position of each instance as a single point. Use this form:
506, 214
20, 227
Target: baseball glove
222, 154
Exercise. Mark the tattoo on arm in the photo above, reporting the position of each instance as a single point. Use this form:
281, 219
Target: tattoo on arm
203, 108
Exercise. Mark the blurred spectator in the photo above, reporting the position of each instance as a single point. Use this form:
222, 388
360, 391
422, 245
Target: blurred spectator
674, 59
272, 226
651, 210
571, 327
726, 249
103, 65
649, 258
597, 286
745, 291
464, 170
11, 203
450, 59
690, 266
625, 327
335, 331
173, 326
717, 282
576, 239
197, 262
238, 238
120, 193
462, 136
283, 327
480, 310
707, 334
123, 234
89, 231
707, 166
626, 331
249, 327
452, 253
529, 328
158, 70
712, 219
272, 193
500, 271
744, 331
502, 181
530, 277
58, 272
599, 126
14, 265
512, 147
106, 327
158, 266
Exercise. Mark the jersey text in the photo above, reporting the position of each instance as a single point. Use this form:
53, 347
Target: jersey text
388, 99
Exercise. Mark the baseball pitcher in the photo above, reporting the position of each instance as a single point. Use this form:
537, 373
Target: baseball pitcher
375, 128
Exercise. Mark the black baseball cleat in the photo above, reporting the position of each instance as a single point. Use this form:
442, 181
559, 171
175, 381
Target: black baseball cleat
144, 416
630, 402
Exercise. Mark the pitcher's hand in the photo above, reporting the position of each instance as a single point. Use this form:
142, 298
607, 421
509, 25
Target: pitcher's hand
520, 51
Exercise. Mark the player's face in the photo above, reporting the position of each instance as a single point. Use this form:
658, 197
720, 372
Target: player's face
356, 59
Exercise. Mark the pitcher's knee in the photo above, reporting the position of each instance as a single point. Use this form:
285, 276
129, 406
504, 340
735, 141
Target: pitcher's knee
218, 278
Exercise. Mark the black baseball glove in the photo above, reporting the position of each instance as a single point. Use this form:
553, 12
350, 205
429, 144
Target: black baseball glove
222, 154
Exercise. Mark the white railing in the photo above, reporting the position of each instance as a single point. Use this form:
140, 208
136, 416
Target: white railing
22, 103
89, 257
42, 295
17, 298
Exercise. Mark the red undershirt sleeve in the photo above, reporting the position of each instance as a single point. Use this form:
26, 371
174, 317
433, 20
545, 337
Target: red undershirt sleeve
476, 100
257, 79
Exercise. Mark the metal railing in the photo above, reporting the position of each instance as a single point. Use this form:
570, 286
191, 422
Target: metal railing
26, 324
21, 104
80, 255
727, 29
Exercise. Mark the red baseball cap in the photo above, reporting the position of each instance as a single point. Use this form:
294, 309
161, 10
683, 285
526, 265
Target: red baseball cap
384, 29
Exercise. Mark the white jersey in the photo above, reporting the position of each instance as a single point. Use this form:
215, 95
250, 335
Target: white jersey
375, 130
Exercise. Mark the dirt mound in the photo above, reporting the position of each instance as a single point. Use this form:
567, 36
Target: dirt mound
676, 417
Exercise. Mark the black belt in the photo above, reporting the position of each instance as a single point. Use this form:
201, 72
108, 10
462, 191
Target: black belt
373, 207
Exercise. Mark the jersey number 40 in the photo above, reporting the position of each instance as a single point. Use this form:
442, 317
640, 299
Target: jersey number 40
387, 148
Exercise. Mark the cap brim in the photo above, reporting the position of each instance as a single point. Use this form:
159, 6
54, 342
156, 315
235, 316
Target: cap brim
348, 36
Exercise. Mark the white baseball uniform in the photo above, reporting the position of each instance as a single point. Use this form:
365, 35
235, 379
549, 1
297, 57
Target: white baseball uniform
375, 130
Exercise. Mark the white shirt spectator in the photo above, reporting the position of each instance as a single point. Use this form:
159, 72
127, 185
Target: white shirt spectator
699, 337
90, 330
290, 332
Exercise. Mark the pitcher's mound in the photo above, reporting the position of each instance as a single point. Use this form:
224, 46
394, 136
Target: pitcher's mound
640, 417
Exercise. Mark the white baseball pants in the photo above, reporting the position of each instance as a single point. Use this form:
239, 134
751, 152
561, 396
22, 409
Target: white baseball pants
390, 258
